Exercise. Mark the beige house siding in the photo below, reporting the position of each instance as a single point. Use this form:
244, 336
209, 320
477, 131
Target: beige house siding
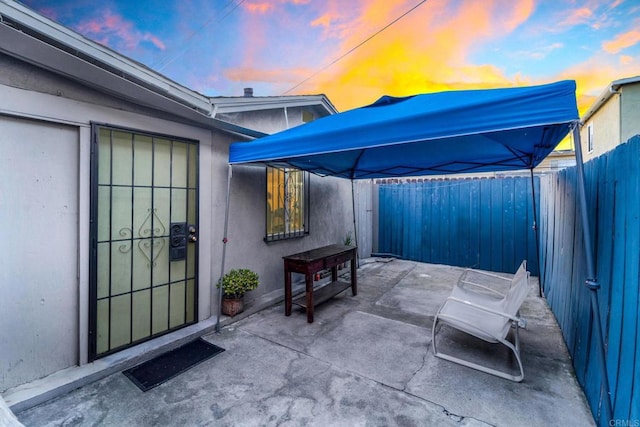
630, 111
613, 118
606, 129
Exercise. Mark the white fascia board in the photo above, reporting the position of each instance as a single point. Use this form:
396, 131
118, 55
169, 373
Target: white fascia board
600, 101
102, 55
621, 82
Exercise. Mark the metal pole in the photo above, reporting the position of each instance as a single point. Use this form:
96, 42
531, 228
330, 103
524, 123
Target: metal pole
355, 229
224, 246
535, 229
591, 281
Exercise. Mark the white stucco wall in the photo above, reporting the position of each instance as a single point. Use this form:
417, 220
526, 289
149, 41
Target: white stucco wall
330, 219
39, 249
331, 210
49, 324
44, 308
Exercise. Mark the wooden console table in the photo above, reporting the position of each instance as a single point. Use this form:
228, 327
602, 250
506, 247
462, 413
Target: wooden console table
311, 262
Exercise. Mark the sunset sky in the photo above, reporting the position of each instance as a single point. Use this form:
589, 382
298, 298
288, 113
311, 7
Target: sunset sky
354, 51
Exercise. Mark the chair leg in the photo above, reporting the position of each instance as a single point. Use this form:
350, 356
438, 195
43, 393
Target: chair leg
498, 373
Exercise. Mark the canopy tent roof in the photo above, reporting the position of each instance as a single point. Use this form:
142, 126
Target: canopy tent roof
438, 133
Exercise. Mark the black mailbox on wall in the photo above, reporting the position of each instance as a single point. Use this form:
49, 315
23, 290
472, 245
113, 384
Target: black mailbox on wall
178, 241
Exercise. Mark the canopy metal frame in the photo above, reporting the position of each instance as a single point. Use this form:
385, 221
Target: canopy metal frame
558, 129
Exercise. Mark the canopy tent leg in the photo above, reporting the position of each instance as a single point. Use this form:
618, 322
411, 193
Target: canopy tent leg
355, 228
535, 229
224, 246
591, 281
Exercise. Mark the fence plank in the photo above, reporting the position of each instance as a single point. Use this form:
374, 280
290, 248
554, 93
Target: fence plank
480, 223
613, 193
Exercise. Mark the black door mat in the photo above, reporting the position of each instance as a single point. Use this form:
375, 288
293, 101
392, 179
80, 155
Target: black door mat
162, 368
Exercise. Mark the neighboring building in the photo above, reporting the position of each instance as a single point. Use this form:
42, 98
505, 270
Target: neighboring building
612, 119
107, 170
270, 114
557, 160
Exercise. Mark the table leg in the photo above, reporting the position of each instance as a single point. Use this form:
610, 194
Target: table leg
287, 292
354, 276
309, 291
334, 273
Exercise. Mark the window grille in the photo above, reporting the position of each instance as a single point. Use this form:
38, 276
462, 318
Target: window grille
287, 203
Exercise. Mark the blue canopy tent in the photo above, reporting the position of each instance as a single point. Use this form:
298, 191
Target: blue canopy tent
437, 133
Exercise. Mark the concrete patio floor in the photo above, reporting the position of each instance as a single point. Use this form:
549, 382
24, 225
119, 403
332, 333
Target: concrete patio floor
366, 360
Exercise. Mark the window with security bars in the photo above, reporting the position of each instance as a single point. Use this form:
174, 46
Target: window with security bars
287, 203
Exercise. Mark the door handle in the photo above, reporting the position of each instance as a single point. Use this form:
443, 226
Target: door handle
192, 234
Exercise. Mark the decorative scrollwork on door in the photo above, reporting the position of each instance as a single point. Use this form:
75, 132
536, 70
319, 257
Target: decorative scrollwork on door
152, 226
151, 249
125, 245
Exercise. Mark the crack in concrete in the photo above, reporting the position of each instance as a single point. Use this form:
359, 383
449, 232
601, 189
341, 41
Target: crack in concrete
424, 361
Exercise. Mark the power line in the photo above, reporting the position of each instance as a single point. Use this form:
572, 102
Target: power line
168, 61
355, 47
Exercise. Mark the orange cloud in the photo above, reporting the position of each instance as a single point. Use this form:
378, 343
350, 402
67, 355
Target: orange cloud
626, 59
577, 16
538, 53
621, 42
279, 76
615, 4
155, 41
521, 11
425, 51
592, 77
323, 21
256, 7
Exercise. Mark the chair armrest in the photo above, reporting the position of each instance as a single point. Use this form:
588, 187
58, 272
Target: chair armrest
486, 288
486, 309
485, 273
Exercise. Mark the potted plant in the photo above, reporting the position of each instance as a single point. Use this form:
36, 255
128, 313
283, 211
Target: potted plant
348, 240
234, 284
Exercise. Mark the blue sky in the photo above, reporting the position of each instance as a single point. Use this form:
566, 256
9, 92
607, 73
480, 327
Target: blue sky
355, 51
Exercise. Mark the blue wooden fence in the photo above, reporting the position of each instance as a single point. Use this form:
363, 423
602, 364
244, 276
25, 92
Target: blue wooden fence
482, 223
613, 193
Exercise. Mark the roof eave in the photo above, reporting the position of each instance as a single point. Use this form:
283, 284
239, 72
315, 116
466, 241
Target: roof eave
23, 20
611, 90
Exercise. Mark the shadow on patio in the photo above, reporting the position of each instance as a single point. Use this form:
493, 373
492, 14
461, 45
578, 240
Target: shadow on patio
366, 360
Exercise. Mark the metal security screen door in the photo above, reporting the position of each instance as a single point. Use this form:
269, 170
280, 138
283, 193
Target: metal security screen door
144, 224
